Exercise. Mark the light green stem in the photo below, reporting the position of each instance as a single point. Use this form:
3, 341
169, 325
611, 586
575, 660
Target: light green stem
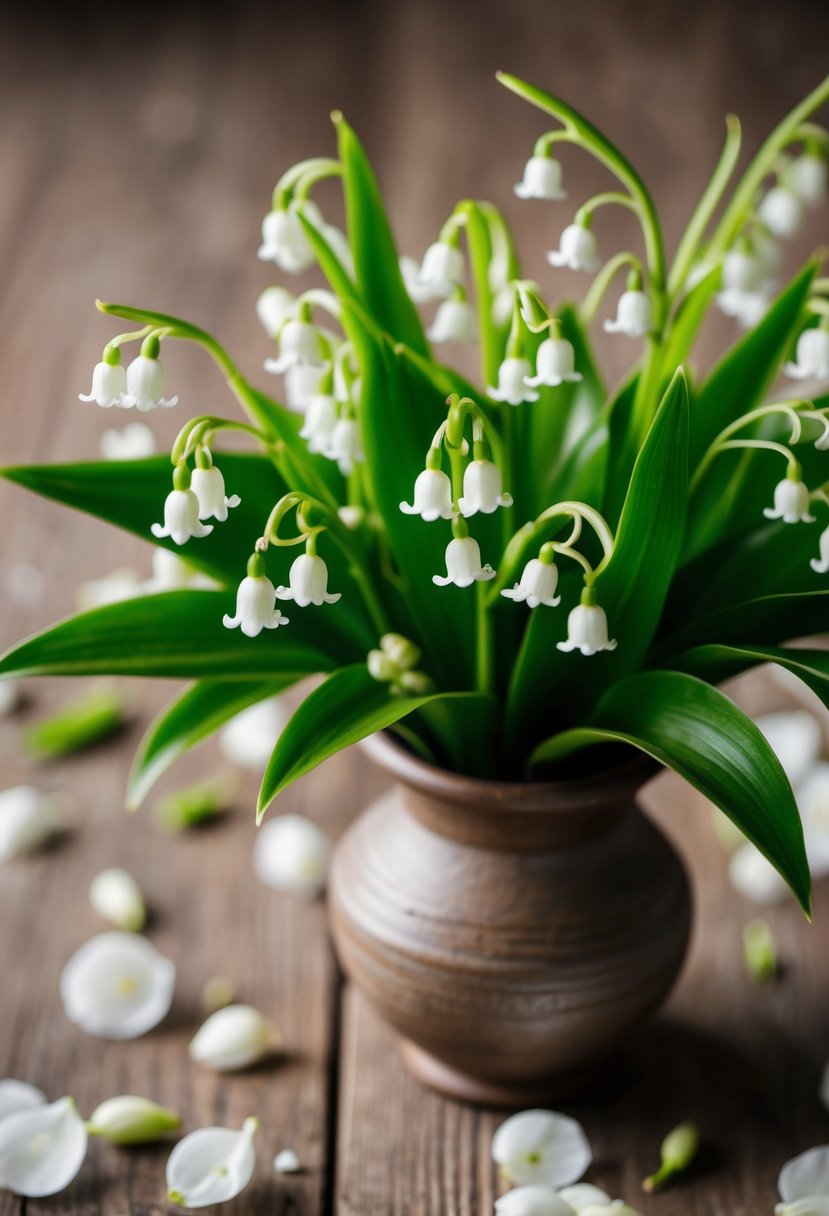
689, 243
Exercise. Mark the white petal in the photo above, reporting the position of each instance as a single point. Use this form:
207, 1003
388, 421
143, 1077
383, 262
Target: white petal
17, 1095
117, 986
812, 1205
249, 738
291, 854
541, 1146
286, 1162
211, 1165
234, 1037
9, 696
532, 1201
27, 820
41, 1150
116, 896
805, 1175
583, 1195
755, 877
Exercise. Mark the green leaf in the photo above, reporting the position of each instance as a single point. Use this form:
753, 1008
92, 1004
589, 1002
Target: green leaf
376, 265
692, 728
347, 707
689, 317
766, 620
192, 717
714, 664
179, 634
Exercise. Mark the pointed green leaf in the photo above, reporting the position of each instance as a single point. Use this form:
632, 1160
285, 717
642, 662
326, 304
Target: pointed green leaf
694, 729
714, 664
766, 620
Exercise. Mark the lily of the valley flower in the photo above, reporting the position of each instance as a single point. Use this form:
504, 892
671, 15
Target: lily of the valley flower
291, 854
145, 379
117, 986
255, 602
542, 179
308, 582
808, 176
587, 627
212, 1165
583, 1196
820, 565
482, 489
514, 382
781, 211
811, 357
804, 1184
173, 573
538, 582
318, 425
555, 364
541, 1147
346, 445
454, 321
132, 442
441, 270
17, 1095
131, 1120
208, 485
116, 896
28, 819
181, 511
303, 382
747, 280
42, 1149
634, 315
109, 380
533, 1201
299, 342
432, 492
284, 242
274, 307
234, 1037
577, 249
410, 273
463, 564
248, 739
287, 1162
791, 501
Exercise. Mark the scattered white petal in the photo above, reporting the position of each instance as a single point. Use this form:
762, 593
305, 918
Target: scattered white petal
28, 819
291, 854
532, 1201
249, 738
42, 1149
541, 1146
17, 1095
813, 1205
234, 1037
117, 986
286, 1162
584, 1195
10, 696
211, 1165
116, 896
805, 1176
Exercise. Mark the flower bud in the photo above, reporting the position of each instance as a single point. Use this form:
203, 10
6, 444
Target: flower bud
233, 1038
286, 1162
27, 820
131, 1120
380, 667
403, 653
678, 1150
116, 896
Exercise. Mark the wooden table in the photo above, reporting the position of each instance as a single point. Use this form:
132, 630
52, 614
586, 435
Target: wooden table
136, 164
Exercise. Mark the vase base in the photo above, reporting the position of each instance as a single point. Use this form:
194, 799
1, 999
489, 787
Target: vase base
452, 1083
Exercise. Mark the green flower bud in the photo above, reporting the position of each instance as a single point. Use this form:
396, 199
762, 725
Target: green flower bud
759, 951
678, 1150
131, 1120
380, 667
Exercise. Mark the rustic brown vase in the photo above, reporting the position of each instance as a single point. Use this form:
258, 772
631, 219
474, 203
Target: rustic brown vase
512, 933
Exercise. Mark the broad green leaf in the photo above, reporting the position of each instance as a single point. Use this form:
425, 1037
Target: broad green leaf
765, 620
179, 634
692, 728
193, 716
347, 707
376, 265
339, 280
714, 664
689, 316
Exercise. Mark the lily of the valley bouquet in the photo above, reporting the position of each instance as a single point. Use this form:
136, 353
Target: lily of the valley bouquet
523, 576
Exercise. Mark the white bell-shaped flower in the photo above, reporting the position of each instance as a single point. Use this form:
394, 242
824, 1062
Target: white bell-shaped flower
454, 321
808, 176
755, 877
541, 1148
820, 565
537, 585
410, 273
746, 281
514, 383
234, 1037
284, 242
135, 441
803, 1184
128, 1119
346, 445
208, 485
181, 518
577, 249
145, 383
318, 425
10, 696
292, 854
109, 383
275, 306
812, 356
117, 986
255, 602
482, 489
746, 307
121, 584
463, 564
583, 1195
299, 342
17, 1095
791, 502
742, 270
587, 627
212, 1165
308, 582
28, 819
42, 1149
432, 496
248, 738
634, 315
555, 363
532, 1201
116, 896
172, 573
442, 269
781, 211
303, 382
287, 1162
542, 179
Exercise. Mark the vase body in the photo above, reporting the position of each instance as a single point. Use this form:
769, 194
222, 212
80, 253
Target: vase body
513, 934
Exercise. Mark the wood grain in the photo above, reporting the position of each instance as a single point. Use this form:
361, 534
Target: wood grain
137, 154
